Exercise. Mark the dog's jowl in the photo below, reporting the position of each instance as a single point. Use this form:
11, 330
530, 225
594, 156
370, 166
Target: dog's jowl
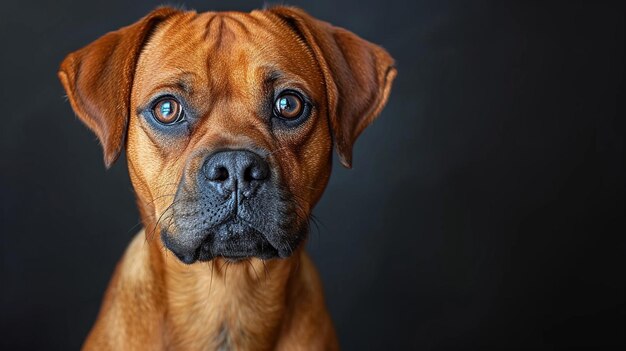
228, 121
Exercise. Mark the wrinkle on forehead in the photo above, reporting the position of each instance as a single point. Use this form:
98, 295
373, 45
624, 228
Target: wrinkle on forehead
224, 48
229, 46
224, 29
225, 65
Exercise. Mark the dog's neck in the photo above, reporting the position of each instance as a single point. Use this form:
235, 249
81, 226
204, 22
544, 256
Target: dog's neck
234, 305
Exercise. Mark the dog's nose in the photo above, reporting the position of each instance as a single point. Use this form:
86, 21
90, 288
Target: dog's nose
236, 170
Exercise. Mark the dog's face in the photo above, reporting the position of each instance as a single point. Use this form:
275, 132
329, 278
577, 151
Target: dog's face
235, 112
230, 120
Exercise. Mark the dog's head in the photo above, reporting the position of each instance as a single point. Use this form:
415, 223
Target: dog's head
229, 120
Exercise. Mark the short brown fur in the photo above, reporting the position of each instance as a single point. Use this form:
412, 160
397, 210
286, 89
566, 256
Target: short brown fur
221, 62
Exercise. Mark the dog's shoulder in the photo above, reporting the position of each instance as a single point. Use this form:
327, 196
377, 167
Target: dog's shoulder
131, 303
135, 264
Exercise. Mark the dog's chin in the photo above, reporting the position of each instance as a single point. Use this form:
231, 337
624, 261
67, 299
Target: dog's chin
234, 240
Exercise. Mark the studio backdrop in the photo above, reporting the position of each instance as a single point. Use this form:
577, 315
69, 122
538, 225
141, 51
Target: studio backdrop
484, 209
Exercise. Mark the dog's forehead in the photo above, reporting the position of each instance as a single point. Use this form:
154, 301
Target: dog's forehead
215, 49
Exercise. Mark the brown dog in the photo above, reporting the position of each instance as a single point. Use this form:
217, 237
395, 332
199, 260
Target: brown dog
228, 121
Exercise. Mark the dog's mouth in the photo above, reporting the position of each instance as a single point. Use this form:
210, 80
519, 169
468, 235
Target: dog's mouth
234, 240
234, 216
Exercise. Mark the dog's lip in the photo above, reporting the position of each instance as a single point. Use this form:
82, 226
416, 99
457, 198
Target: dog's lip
220, 241
235, 258
228, 248
187, 258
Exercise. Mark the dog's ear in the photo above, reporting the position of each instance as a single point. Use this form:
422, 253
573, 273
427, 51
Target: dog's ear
98, 79
357, 74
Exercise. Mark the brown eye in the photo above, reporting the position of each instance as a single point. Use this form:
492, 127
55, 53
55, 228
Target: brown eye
289, 106
167, 111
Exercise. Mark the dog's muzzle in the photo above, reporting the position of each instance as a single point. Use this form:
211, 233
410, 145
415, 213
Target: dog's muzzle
236, 210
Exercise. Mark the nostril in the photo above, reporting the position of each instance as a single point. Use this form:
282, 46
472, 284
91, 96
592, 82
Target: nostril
255, 172
221, 174
228, 170
218, 174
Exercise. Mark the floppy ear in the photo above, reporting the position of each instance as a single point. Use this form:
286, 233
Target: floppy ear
98, 79
357, 74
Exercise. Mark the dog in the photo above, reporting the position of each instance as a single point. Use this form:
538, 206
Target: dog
229, 121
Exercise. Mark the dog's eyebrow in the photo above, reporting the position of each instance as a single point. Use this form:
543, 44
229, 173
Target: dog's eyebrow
270, 76
182, 81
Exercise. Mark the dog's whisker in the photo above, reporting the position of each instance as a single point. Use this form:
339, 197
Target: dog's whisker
227, 264
160, 217
157, 198
279, 149
212, 264
253, 269
267, 274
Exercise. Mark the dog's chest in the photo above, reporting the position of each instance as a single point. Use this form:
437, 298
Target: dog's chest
222, 314
215, 329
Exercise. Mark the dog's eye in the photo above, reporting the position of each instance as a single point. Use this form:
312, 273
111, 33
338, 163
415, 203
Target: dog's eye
288, 105
167, 111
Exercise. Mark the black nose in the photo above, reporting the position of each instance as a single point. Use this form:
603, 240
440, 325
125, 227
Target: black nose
236, 170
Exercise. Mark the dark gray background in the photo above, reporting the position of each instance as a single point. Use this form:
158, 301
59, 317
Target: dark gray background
485, 209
